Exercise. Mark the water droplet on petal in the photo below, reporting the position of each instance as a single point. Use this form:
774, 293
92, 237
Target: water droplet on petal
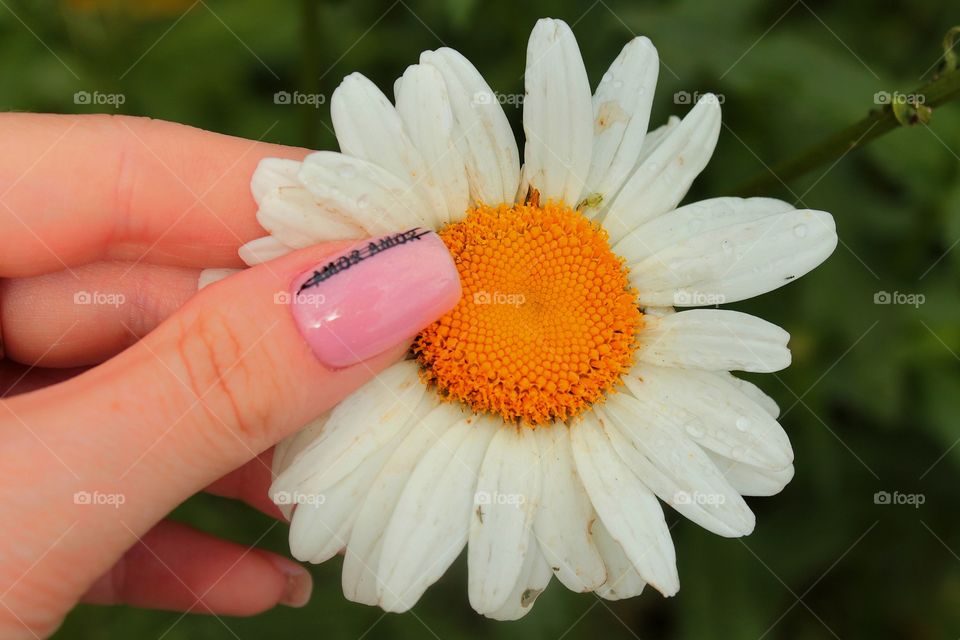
800, 230
743, 423
726, 246
346, 171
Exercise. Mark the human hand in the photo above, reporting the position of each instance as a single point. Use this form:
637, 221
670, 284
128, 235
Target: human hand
125, 391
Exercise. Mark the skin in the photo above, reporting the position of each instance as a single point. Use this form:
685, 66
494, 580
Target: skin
171, 393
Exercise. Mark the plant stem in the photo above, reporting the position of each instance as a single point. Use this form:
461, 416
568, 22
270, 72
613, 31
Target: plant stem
879, 121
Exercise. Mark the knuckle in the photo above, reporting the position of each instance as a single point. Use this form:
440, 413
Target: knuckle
228, 382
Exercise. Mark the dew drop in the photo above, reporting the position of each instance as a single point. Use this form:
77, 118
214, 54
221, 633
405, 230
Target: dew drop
617, 84
743, 423
346, 171
362, 202
726, 246
800, 230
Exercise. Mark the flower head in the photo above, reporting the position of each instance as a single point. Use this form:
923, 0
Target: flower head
543, 420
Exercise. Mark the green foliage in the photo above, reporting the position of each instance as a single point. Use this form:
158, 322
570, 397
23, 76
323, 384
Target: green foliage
869, 401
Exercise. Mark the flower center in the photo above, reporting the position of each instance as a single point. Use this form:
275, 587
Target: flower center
547, 322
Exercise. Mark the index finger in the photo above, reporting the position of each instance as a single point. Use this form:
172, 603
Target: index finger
74, 189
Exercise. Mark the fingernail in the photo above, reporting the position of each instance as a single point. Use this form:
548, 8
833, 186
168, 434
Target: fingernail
375, 295
299, 585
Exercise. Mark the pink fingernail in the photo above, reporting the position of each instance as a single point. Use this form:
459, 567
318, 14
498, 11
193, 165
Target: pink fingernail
374, 296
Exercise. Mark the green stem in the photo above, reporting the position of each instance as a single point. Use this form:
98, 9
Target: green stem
890, 116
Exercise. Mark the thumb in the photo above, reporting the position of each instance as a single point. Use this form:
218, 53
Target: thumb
244, 363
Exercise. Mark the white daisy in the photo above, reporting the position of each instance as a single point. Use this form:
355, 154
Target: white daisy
539, 421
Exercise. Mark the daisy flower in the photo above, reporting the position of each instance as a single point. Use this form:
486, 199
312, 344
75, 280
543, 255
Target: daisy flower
546, 418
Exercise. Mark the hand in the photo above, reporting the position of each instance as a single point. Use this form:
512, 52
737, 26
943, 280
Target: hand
126, 391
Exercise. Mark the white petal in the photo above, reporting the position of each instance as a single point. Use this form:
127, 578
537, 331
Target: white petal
706, 216
507, 496
295, 218
481, 131
654, 446
735, 262
368, 127
357, 428
658, 184
360, 193
430, 523
754, 393
622, 579
262, 250
565, 518
289, 448
321, 522
209, 276
272, 174
363, 549
424, 108
621, 114
557, 115
627, 507
715, 340
715, 413
752, 481
534, 578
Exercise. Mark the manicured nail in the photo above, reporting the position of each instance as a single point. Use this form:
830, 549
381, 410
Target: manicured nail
375, 295
299, 585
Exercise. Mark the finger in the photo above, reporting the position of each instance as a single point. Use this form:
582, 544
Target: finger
249, 483
231, 373
93, 312
16, 378
177, 568
75, 189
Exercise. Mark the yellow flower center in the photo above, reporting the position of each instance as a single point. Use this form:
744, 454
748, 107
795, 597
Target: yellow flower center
547, 323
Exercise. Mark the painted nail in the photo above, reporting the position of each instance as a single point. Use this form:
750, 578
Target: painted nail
299, 587
375, 295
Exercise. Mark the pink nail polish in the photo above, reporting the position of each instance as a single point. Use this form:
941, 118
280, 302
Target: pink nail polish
375, 295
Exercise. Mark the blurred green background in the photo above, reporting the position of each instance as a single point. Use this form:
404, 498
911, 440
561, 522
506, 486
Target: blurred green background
871, 402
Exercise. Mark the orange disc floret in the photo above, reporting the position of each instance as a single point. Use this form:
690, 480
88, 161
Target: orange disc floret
547, 323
